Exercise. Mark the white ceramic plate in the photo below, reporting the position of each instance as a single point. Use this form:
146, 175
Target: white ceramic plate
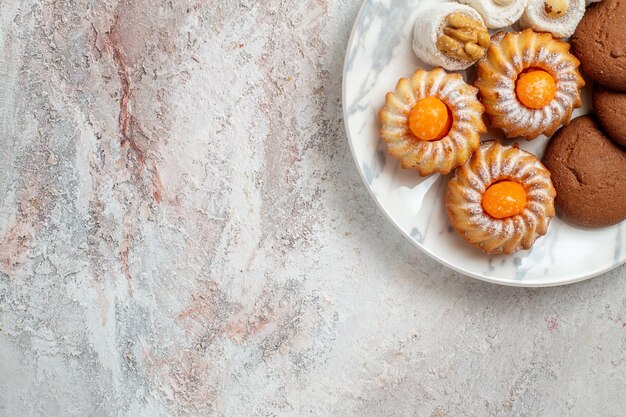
379, 53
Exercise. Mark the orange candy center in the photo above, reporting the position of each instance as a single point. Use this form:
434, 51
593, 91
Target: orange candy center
535, 88
430, 119
504, 199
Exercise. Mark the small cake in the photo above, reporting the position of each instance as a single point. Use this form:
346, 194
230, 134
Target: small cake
610, 109
501, 200
450, 35
588, 174
498, 13
600, 43
432, 122
559, 17
529, 83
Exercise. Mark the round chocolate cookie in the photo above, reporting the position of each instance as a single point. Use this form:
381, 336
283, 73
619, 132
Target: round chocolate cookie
600, 43
588, 174
610, 109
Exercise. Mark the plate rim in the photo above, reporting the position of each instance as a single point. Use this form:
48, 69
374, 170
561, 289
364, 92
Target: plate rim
422, 248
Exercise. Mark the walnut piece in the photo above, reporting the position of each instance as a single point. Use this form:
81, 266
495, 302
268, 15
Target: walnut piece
464, 38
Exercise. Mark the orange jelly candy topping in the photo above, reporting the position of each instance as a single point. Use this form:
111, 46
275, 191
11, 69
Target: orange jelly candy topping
430, 119
535, 88
504, 199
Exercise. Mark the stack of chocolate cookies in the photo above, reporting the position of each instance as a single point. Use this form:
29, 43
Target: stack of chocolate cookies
587, 158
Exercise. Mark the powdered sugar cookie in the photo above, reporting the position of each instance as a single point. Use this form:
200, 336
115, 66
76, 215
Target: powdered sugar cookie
529, 83
559, 17
450, 35
498, 13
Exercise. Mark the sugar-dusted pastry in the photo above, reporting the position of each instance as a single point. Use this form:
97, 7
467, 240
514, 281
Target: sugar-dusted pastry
588, 174
501, 200
498, 13
450, 35
529, 83
559, 17
432, 122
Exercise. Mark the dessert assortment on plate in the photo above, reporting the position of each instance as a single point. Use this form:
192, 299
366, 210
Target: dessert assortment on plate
500, 199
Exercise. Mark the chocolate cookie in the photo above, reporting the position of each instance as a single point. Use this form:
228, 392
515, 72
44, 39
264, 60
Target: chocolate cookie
610, 109
600, 43
588, 174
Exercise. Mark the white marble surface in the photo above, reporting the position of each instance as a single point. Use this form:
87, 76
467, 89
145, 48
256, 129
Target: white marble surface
183, 232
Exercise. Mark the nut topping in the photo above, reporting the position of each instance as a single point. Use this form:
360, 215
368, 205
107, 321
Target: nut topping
555, 8
464, 38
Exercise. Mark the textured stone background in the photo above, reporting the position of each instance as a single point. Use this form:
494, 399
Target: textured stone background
183, 232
